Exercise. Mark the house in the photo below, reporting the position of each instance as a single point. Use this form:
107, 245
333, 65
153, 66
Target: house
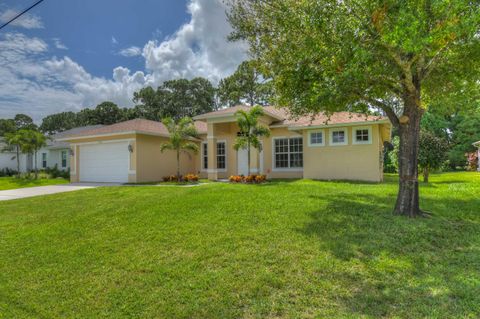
342, 146
54, 154
477, 145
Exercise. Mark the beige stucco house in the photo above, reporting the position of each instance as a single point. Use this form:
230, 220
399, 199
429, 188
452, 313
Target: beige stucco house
342, 146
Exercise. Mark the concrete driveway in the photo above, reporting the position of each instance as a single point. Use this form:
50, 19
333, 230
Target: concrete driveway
46, 190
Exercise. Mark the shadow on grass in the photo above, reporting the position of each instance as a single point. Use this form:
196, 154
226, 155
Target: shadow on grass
389, 260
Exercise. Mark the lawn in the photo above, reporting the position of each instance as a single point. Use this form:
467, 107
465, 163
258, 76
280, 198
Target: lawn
14, 182
299, 249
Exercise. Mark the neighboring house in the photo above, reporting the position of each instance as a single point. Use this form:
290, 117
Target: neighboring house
477, 145
342, 146
55, 153
8, 159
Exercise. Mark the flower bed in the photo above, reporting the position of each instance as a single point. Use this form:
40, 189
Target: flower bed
188, 178
249, 179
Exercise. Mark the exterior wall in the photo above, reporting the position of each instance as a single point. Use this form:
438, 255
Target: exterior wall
54, 157
350, 162
268, 164
152, 164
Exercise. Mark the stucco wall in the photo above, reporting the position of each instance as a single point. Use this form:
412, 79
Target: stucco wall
351, 162
152, 164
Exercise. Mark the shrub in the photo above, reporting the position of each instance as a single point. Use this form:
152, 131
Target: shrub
191, 178
7, 172
250, 179
56, 173
170, 178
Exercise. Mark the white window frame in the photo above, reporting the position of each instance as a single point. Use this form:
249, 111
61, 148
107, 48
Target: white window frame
202, 157
61, 158
287, 169
221, 170
332, 130
354, 134
46, 160
310, 144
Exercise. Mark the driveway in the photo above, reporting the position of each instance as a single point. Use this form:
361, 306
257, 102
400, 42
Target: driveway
46, 190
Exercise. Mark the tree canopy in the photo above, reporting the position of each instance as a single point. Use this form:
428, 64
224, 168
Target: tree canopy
396, 56
245, 85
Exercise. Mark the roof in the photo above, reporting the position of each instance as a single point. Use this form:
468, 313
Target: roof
53, 142
284, 118
139, 126
277, 114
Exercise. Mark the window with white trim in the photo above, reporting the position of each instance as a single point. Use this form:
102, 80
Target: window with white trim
338, 137
205, 156
362, 135
316, 138
64, 159
44, 160
288, 152
221, 155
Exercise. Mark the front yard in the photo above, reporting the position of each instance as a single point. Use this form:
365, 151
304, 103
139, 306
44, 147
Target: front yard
277, 250
14, 182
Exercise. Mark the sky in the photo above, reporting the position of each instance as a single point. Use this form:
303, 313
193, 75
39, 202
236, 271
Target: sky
67, 55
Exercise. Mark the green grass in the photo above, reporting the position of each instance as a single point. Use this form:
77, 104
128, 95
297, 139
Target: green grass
14, 182
299, 249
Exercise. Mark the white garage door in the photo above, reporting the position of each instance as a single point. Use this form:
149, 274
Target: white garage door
105, 162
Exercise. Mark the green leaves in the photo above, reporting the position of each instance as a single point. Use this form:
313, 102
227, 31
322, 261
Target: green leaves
181, 133
250, 130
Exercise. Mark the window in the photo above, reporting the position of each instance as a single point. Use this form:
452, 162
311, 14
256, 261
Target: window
205, 156
221, 156
44, 160
64, 159
338, 137
316, 138
288, 152
362, 135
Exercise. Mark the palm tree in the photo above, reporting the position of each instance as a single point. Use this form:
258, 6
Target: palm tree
181, 134
250, 130
14, 140
34, 142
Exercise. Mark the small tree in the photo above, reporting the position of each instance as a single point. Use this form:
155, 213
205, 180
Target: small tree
14, 141
180, 135
250, 130
33, 141
432, 153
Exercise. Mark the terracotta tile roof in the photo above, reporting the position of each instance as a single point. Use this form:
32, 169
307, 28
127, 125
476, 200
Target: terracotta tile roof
284, 118
332, 119
136, 125
269, 110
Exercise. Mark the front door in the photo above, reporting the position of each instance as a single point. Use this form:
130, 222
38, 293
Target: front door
242, 162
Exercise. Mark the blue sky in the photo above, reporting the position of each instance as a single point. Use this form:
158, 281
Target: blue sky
66, 55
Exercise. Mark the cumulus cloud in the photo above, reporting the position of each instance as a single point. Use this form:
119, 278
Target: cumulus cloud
40, 84
27, 20
58, 44
131, 51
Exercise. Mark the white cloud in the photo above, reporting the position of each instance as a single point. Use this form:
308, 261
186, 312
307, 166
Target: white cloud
39, 84
131, 51
58, 44
27, 20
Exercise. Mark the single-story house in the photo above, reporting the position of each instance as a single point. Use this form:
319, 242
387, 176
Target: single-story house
477, 145
55, 153
342, 146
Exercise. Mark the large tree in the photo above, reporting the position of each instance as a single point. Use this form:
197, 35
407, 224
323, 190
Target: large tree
176, 99
58, 122
246, 85
107, 113
397, 56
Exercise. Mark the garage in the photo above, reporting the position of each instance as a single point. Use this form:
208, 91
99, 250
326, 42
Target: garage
104, 162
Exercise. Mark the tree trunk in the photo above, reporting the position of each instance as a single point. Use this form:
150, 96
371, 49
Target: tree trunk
178, 165
425, 174
407, 203
248, 155
36, 167
18, 161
